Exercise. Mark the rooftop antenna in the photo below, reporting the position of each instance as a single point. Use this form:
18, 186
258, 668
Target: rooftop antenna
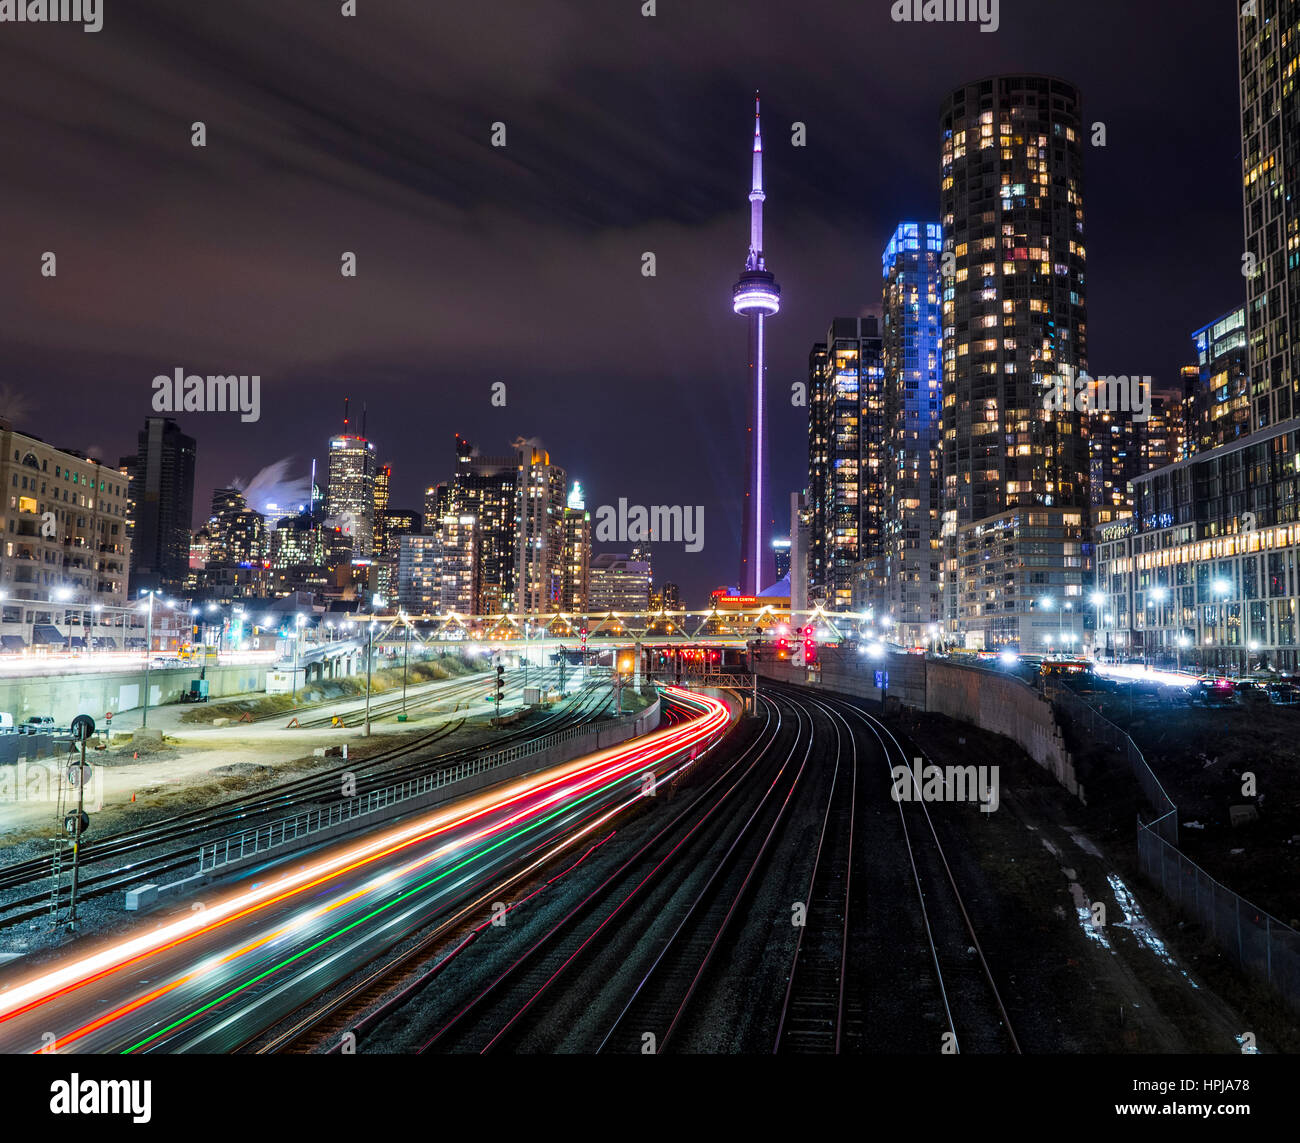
345, 413
363, 420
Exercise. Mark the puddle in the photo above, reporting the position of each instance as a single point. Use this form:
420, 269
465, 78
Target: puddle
1137, 924
1083, 908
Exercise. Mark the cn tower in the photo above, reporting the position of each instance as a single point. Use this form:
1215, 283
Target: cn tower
756, 296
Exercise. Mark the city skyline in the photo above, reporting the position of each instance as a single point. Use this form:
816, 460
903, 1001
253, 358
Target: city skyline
591, 225
432, 624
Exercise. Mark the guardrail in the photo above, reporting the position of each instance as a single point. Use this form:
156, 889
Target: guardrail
250, 843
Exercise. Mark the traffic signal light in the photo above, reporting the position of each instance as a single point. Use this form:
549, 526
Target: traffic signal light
501, 682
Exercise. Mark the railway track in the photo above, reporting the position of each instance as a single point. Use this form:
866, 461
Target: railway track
976, 1016
754, 790
822, 1004
381, 990
191, 828
673, 909
459, 688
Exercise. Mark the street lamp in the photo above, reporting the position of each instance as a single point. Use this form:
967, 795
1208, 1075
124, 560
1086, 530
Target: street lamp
297, 639
406, 655
148, 655
1221, 589
376, 601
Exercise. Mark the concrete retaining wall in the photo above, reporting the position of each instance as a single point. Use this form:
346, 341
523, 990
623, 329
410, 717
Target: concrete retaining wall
65, 696
1004, 705
990, 700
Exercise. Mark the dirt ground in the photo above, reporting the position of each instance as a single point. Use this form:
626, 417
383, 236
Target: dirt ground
1205, 758
1149, 980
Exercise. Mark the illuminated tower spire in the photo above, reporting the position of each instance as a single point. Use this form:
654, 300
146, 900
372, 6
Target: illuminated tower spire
757, 297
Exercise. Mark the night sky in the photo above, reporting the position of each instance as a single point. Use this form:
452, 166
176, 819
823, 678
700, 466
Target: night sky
522, 264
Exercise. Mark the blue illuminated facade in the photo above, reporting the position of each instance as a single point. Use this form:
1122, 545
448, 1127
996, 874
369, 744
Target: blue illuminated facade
912, 334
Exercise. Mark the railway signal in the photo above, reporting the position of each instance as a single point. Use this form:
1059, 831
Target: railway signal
501, 686
77, 822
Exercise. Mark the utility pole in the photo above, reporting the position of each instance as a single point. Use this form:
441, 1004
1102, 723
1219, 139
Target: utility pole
406, 654
297, 638
148, 654
370, 636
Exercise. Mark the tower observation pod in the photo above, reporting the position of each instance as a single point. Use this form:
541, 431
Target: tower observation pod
757, 297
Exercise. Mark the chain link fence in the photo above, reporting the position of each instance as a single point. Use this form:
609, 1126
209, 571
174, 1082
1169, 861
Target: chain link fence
1091, 723
1258, 942
1255, 940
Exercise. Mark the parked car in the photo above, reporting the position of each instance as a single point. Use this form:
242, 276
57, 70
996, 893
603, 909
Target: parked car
1215, 692
37, 724
1251, 693
1283, 694
6, 722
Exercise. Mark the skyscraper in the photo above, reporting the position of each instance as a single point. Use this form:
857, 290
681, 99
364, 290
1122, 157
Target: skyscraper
846, 461
539, 540
913, 349
756, 296
1015, 313
577, 553
237, 533
350, 497
383, 475
161, 481
486, 488
1268, 54
800, 543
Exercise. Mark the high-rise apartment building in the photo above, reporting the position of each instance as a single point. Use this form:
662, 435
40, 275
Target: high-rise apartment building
1015, 310
577, 553
161, 481
1268, 41
846, 461
540, 535
1123, 448
913, 363
486, 488
236, 533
